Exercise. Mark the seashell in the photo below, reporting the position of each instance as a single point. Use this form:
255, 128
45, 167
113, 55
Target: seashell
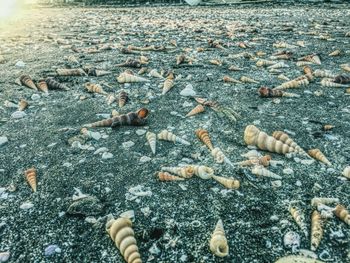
71, 72
114, 113
260, 53
264, 161
155, 73
228, 79
330, 84
245, 79
311, 58
216, 62
152, 140
284, 137
122, 98
278, 65
132, 63
110, 99
4, 256
180, 59
342, 79
297, 259
143, 70
229, 183
22, 105
308, 73
28, 82
343, 214
253, 136
283, 45
129, 78
203, 136
346, 172
318, 155
53, 84
323, 74
345, 67
316, 201
316, 230
301, 43
94, 88
328, 127
334, 53
72, 59
218, 242
203, 172
218, 155
97, 72
132, 118
299, 219
234, 68
264, 63
266, 92
303, 63
283, 77
42, 85
198, 109
124, 238
168, 83
31, 175
295, 83
169, 136
242, 45
261, 171
184, 171
165, 176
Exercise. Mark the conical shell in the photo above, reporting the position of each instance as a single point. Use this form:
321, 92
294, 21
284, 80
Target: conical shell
331, 84
128, 78
248, 80
278, 65
316, 201
167, 85
42, 85
299, 219
295, 83
334, 53
98, 72
264, 62
308, 73
70, 72
303, 63
30, 175
110, 99
342, 79
53, 84
323, 74
203, 172
124, 238
218, 242
203, 135
169, 136
184, 171
22, 105
261, 171
264, 161
343, 214
198, 109
28, 82
180, 59
284, 137
345, 67
253, 136
95, 88
152, 140
318, 155
122, 98
316, 230
10, 104
229, 183
228, 79
346, 172
154, 73
165, 176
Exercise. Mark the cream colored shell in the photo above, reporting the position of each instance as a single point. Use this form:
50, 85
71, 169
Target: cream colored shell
218, 242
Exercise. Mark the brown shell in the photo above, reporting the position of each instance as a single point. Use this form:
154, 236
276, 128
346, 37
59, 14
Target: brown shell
203, 135
95, 88
299, 219
165, 176
198, 109
31, 176
343, 214
316, 230
42, 85
28, 82
22, 105
318, 155
122, 99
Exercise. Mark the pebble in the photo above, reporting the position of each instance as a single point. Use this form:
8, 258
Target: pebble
35, 97
18, 115
26, 205
87, 206
107, 155
95, 135
291, 240
154, 249
188, 91
187, 104
91, 220
288, 171
4, 256
145, 159
274, 218
298, 183
183, 258
307, 162
128, 144
101, 150
20, 64
3, 140
140, 132
51, 250
146, 211
67, 165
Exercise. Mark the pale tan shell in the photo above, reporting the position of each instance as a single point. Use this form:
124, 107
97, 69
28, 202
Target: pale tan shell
253, 136
152, 140
169, 136
31, 176
295, 83
319, 73
218, 242
128, 78
165, 176
283, 77
198, 109
346, 172
203, 172
184, 171
154, 73
278, 65
345, 67
323, 200
70, 72
330, 84
318, 155
264, 161
261, 171
297, 259
303, 63
299, 219
264, 62
95, 88
245, 79
229, 183
124, 238
110, 99
334, 53
316, 230
203, 135
218, 155
284, 137
283, 45
10, 104
22, 105
228, 79
343, 214
167, 85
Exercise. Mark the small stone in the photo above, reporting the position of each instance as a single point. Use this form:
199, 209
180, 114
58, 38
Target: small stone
128, 144
288, 171
145, 159
35, 97
51, 250
307, 162
91, 220
128, 214
298, 183
101, 150
274, 218
276, 184
107, 155
188, 91
20, 64
26, 205
187, 104
18, 115
67, 165
183, 258
140, 132
4, 256
154, 249
3, 140
95, 135
174, 113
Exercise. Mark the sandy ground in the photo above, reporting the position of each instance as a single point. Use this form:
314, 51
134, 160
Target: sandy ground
175, 222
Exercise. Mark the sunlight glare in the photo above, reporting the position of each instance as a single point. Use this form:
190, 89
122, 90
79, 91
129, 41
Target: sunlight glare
8, 8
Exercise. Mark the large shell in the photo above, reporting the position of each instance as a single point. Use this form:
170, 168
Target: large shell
308, 73
124, 238
31, 175
122, 98
70, 72
184, 171
346, 172
318, 155
28, 82
94, 88
284, 137
129, 78
229, 183
316, 230
343, 214
203, 172
299, 219
203, 135
110, 99
152, 140
168, 84
261, 171
165, 176
253, 136
198, 109
218, 242
169, 136
295, 83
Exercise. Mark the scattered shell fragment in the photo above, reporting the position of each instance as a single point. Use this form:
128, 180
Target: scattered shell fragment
94, 88
28, 82
218, 241
316, 201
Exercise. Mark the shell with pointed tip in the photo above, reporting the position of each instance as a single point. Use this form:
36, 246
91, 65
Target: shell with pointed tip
42, 85
264, 160
98, 72
70, 72
284, 137
229, 183
28, 82
122, 98
129, 78
183, 171
124, 238
94, 88
345, 67
110, 99
295, 83
53, 84
218, 242
308, 73
253, 136
168, 84
154, 73
152, 140
261, 171
228, 79
264, 62
203, 172
316, 230
342, 79
203, 136
303, 63
334, 53
346, 172
247, 80
299, 219
319, 73
331, 84
169, 136
198, 109
323, 200
343, 214
165, 176
22, 105
278, 65
31, 175
318, 155
218, 155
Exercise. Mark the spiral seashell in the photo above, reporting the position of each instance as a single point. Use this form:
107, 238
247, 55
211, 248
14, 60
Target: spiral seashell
264, 161
110, 99
234, 68
216, 62
316, 201
303, 63
71, 72
261, 171
343, 214
169, 136
342, 79
152, 140
122, 98
278, 65
184, 171
218, 155
283, 77
228, 79
323, 74
264, 62
198, 109
298, 259
165, 176
53, 84
266, 92
334, 53
94, 88
72, 59
245, 79
22, 105
284, 137
42, 85
132, 63
345, 67
155, 73
129, 78
27, 81
299, 219
97, 72
124, 238
218, 242
308, 73
180, 59
229, 183
168, 83
311, 58
203, 172
295, 83
318, 155
331, 84
316, 230
346, 172
283, 45
253, 136
203, 136
31, 175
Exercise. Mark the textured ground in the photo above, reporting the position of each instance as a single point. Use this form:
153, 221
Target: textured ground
177, 218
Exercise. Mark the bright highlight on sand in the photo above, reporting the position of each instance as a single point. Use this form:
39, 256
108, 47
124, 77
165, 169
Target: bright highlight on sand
8, 8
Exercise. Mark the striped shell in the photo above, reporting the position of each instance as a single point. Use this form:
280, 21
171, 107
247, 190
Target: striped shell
229, 183
316, 230
343, 214
184, 171
169, 136
31, 175
318, 155
203, 136
218, 242
165, 176
152, 140
261, 171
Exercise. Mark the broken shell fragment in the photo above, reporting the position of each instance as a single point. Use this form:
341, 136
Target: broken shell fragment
261, 171
183, 171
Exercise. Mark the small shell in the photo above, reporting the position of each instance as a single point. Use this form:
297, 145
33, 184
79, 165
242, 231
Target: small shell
168, 84
328, 127
31, 175
42, 85
184, 171
110, 99
316, 230
129, 78
229, 183
122, 98
218, 241
261, 171
198, 109
95, 88
331, 84
346, 172
295, 83
318, 155
228, 79
70, 72
169, 136
152, 140
28, 82
324, 201
343, 214
284, 137
247, 80
154, 73
165, 176
203, 135
22, 105
299, 219
323, 74
334, 53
